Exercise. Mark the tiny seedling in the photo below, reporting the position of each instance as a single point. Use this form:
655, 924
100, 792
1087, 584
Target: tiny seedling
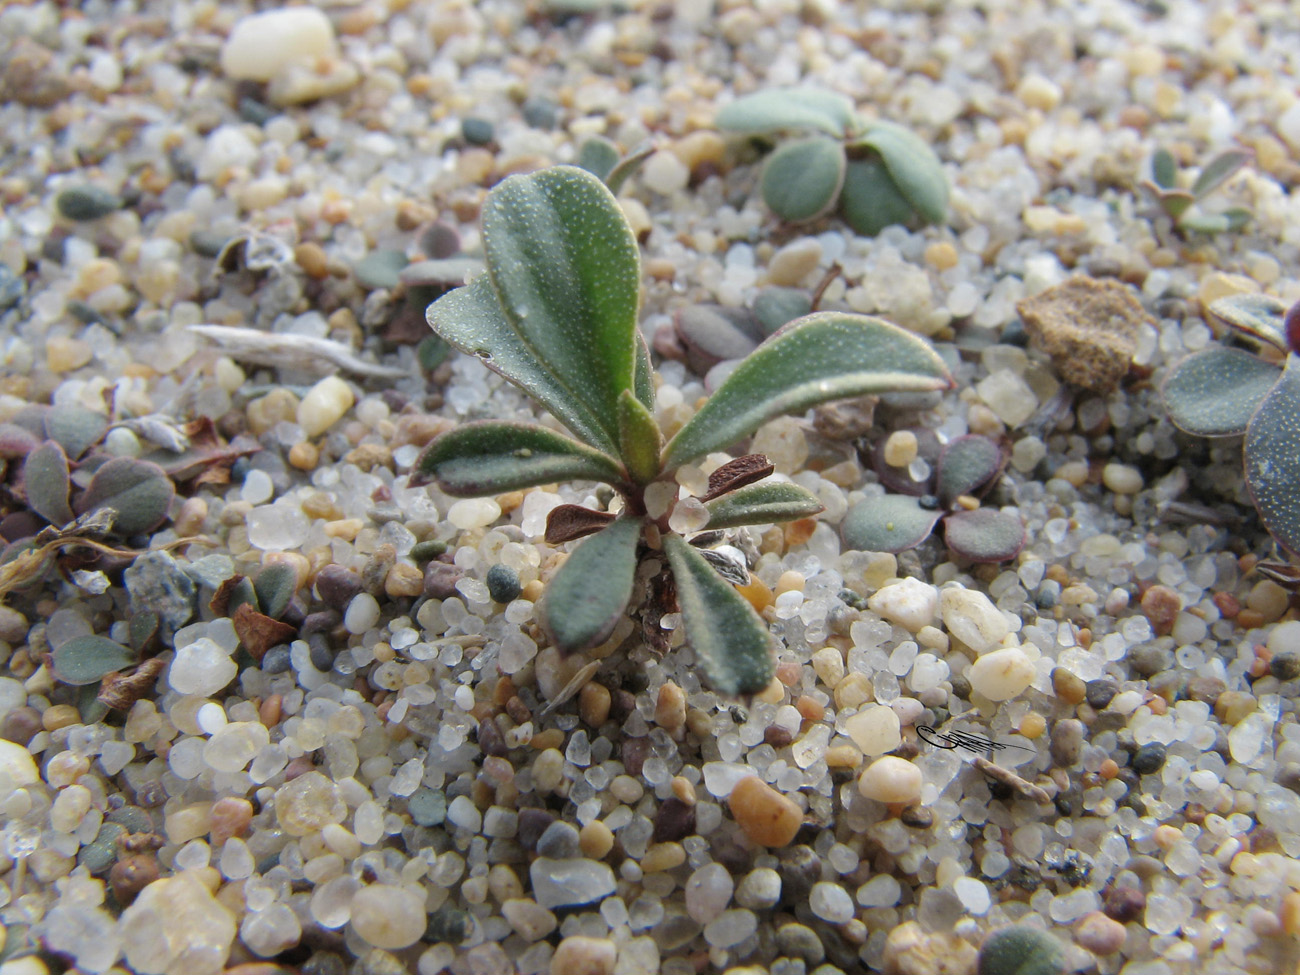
556, 314
1021, 950
600, 157
1182, 205
1224, 392
953, 477
878, 173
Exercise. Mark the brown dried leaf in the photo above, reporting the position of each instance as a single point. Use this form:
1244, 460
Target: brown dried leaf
121, 690
258, 632
569, 521
736, 474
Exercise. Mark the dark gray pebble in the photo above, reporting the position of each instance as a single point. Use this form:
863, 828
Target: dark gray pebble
1100, 692
87, 202
1148, 759
503, 583
277, 660
558, 841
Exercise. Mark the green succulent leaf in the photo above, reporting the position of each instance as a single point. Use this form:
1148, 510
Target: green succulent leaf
869, 200
762, 504
75, 428
802, 180
966, 465
1219, 170
984, 535
46, 483
1271, 453
639, 438
1258, 315
138, 490
598, 156
783, 109
627, 167
777, 306
820, 357
275, 586
589, 593
893, 523
1215, 392
1021, 950
913, 166
470, 319
643, 382
491, 457
86, 659
1237, 217
1164, 169
731, 643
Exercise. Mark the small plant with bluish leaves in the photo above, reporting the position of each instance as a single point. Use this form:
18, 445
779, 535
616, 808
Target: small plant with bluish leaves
1225, 391
600, 157
877, 173
1021, 950
952, 479
1181, 203
556, 314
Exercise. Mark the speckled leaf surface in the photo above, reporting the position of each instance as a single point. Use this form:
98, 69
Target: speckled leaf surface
913, 166
491, 457
893, 523
1214, 393
46, 483
869, 200
780, 109
643, 380
1021, 950
1257, 315
1219, 170
966, 465
138, 490
762, 504
731, 643
590, 592
1271, 454
639, 438
566, 267
802, 179
984, 535
86, 659
820, 357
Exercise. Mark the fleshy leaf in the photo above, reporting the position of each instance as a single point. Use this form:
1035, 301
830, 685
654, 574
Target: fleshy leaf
86, 659
639, 438
1219, 170
780, 109
491, 457
567, 270
777, 306
1258, 315
984, 535
589, 593
643, 382
1215, 392
75, 428
966, 465
46, 483
802, 180
869, 200
138, 490
627, 167
1021, 950
913, 166
471, 320
1164, 169
762, 504
820, 357
598, 156
275, 586
893, 523
731, 643
1271, 453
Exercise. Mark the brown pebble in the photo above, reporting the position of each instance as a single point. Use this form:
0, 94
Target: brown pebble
674, 820
1161, 606
594, 701
518, 710
777, 736
440, 580
21, 725
1228, 604
404, 580
1068, 687
132, 874
766, 816
1089, 328
270, 710
1100, 934
918, 817
1124, 904
311, 257
670, 708
230, 816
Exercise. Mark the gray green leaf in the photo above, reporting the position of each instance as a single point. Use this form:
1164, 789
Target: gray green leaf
75, 428
567, 271
46, 483
802, 180
984, 535
627, 167
1164, 169
776, 306
820, 357
869, 200
913, 166
762, 504
1215, 392
639, 439
598, 156
781, 109
86, 659
1219, 170
275, 586
965, 466
893, 523
1258, 315
138, 490
589, 593
491, 457
1021, 950
643, 384
731, 643
1271, 453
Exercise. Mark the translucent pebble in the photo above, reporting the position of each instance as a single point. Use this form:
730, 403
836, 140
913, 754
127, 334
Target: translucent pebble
537, 506
70, 806
193, 855
708, 892
831, 902
277, 527
236, 860
463, 814
235, 745
881, 890
211, 718
257, 487
368, 822
362, 613
689, 515
331, 902
185, 759
473, 513
474, 590
201, 667
973, 894
1068, 908
269, 932
407, 778
730, 928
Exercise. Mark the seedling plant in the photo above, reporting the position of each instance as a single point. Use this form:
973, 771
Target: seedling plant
1181, 205
556, 314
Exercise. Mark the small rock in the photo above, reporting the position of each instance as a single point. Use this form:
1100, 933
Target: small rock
530, 920
759, 890
570, 882
801, 941
1089, 328
336, 585
157, 584
908, 602
87, 202
972, 618
766, 816
20, 725
909, 950
1100, 934
388, 916
477, 131
559, 841
503, 583
1100, 692
17, 767
230, 816
260, 44
325, 403
1067, 742
31, 76
1148, 759
13, 625
1001, 674
428, 807
892, 780
674, 820
174, 921
794, 262
664, 173
581, 955
440, 580
1068, 687
875, 729
308, 803
1124, 904
1285, 666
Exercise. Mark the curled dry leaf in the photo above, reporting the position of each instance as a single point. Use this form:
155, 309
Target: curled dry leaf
121, 690
569, 521
259, 632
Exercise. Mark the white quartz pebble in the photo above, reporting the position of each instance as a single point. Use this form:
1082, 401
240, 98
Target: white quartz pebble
909, 602
262, 44
1001, 674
